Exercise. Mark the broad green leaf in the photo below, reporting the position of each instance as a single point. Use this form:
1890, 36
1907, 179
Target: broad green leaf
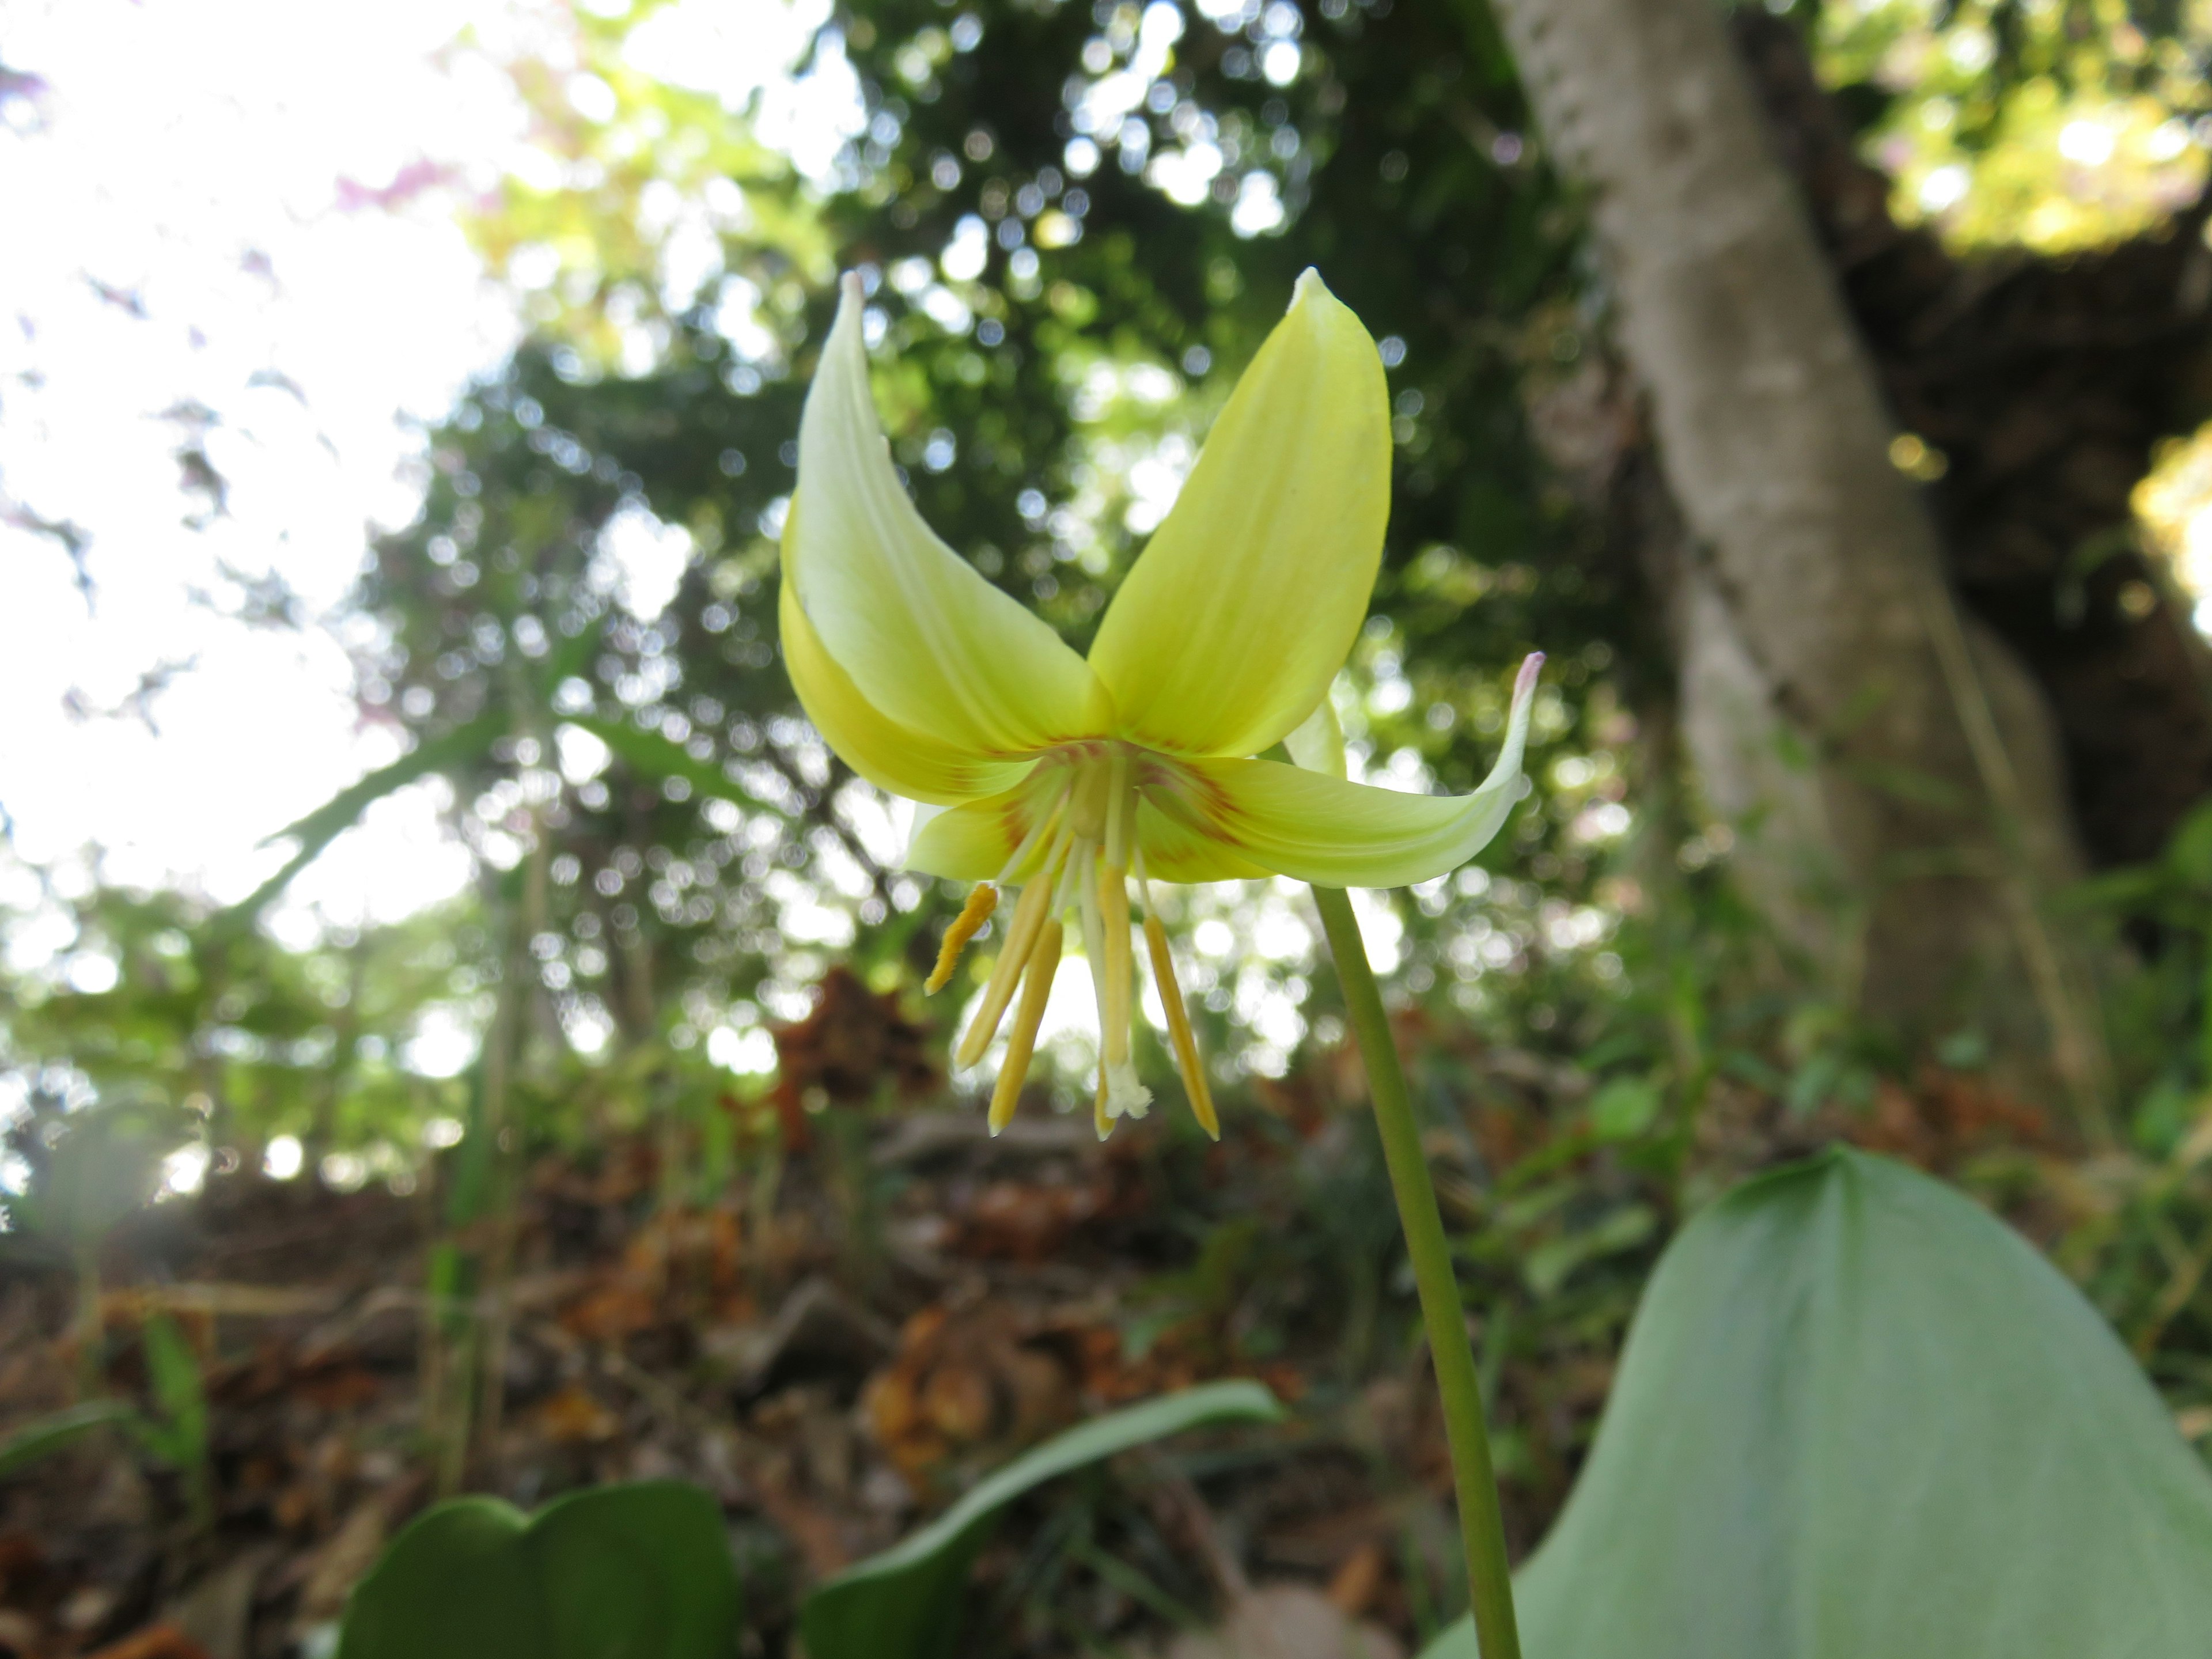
339, 813
658, 757
905, 1603
42, 1437
637, 1571
1859, 1417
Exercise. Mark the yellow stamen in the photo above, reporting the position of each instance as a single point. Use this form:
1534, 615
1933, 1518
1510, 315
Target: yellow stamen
1030, 912
1037, 990
1100, 1120
1179, 1035
1114, 901
965, 926
1041, 834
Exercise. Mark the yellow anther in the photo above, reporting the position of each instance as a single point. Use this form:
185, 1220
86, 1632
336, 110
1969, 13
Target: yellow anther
965, 926
1030, 912
1037, 990
1101, 1119
1179, 1035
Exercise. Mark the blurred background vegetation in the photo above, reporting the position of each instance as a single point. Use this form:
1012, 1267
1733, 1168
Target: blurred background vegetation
681, 985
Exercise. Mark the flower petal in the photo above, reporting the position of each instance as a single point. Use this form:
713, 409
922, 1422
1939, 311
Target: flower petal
1335, 834
1173, 851
973, 841
1318, 744
885, 753
1228, 629
925, 639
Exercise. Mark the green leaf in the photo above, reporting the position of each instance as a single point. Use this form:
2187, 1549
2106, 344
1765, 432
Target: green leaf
638, 1571
906, 1602
1549, 1264
1859, 1417
569, 658
339, 813
1625, 1107
658, 757
180, 1438
42, 1437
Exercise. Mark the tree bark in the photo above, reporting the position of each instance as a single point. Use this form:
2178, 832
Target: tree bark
2045, 385
1892, 772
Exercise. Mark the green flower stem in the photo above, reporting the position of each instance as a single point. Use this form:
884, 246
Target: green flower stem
1490, 1583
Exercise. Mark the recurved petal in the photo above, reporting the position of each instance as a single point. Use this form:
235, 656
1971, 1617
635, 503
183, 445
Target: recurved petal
1173, 850
974, 842
887, 755
1228, 629
926, 640
1336, 833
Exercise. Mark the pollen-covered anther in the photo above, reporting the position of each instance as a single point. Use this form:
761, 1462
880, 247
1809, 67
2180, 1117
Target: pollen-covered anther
965, 926
1181, 1038
1021, 1046
1030, 912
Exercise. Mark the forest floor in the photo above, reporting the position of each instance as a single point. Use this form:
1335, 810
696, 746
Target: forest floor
856, 1328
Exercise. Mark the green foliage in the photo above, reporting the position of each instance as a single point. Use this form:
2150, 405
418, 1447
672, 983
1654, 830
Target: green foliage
1858, 1415
2054, 127
212, 1030
639, 1571
643, 1572
447, 752
42, 1437
174, 1434
905, 1603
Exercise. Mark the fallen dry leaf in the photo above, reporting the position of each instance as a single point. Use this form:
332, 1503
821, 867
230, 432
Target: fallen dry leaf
155, 1642
574, 1416
1352, 1587
340, 1563
1285, 1621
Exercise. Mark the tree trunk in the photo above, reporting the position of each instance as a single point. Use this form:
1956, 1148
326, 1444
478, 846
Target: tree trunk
2044, 386
1891, 772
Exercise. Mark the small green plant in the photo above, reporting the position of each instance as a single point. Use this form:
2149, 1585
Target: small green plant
643, 1572
639, 1572
174, 1434
905, 1603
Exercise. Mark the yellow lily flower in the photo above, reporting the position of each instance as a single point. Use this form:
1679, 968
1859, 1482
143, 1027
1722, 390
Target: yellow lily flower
1076, 779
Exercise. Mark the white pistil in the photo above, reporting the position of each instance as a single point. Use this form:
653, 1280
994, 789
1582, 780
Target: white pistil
1124, 1096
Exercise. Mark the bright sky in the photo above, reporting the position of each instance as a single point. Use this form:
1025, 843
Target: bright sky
191, 192
208, 185
190, 176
